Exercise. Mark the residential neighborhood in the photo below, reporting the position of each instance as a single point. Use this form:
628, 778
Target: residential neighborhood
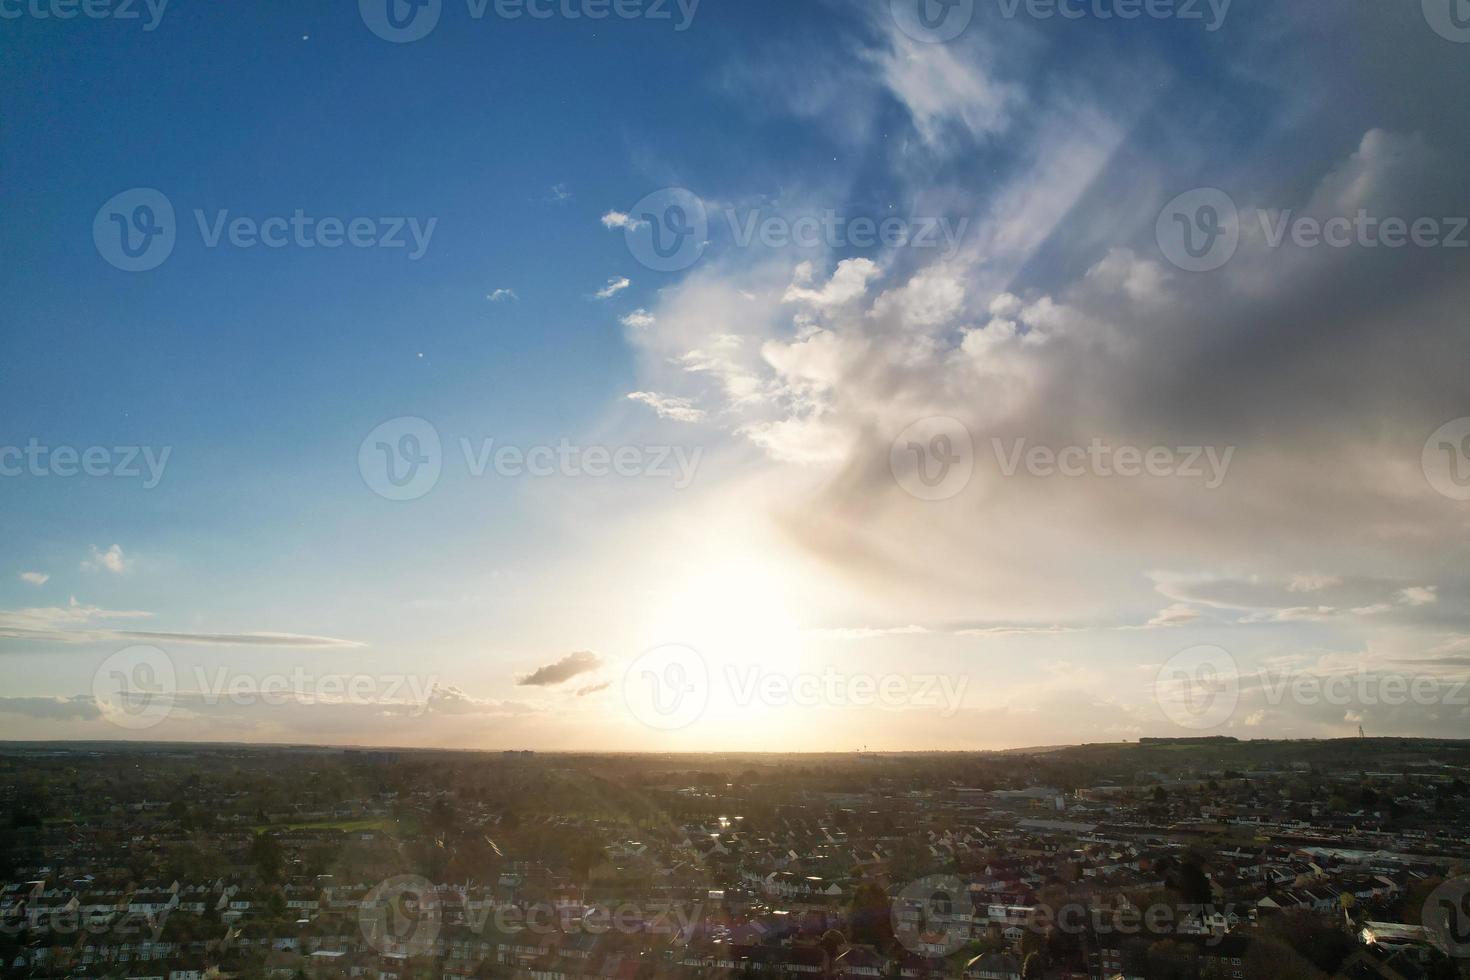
1195, 858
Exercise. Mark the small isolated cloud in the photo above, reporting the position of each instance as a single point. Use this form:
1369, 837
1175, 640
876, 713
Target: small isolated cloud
580, 662
501, 295
668, 406
639, 319
35, 578
559, 194
614, 286
1176, 615
1419, 595
112, 560
593, 688
617, 219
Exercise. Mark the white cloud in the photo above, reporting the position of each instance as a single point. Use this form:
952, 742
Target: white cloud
1419, 595
35, 578
668, 406
929, 299
848, 283
617, 219
613, 287
77, 622
639, 319
112, 560
943, 90
501, 295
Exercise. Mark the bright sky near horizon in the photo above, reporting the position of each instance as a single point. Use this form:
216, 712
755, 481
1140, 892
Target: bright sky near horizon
734, 375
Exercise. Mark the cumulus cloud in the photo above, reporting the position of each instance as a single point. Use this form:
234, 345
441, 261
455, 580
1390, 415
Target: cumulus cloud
35, 578
502, 295
563, 670
617, 219
112, 560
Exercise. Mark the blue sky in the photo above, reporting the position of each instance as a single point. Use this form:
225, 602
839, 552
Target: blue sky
1057, 315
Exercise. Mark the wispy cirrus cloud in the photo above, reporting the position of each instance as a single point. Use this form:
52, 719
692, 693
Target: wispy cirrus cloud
614, 286
78, 622
668, 406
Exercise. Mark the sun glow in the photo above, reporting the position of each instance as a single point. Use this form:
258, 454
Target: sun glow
735, 612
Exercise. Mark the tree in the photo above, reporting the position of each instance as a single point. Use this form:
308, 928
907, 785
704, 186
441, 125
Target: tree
265, 854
